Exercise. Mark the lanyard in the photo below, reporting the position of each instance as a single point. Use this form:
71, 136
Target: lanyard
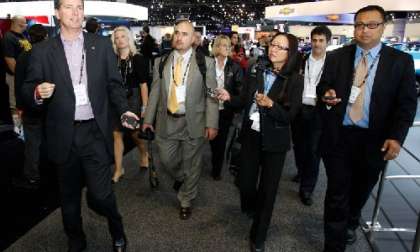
369, 70
185, 72
309, 73
82, 65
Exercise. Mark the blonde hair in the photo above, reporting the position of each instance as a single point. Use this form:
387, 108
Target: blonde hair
129, 35
217, 42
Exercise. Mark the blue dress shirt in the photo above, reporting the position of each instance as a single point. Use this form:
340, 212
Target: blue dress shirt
364, 122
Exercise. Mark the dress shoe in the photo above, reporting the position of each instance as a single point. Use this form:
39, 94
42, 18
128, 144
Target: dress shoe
254, 248
177, 185
185, 213
120, 245
77, 247
351, 236
296, 178
306, 198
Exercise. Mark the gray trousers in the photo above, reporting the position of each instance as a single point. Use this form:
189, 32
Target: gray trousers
182, 157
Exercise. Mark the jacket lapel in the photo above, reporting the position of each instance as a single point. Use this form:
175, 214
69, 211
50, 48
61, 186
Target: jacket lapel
384, 66
166, 76
191, 72
90, 59
276, 88
59, 56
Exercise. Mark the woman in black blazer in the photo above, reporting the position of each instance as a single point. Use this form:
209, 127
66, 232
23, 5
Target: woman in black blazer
271, 97
229, 77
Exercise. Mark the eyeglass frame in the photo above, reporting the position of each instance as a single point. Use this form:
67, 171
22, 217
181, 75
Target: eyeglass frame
361, 26
279, 47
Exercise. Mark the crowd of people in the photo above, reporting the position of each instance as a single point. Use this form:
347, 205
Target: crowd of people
351, 107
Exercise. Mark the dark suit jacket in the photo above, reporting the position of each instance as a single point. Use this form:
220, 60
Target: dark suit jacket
286, 93
393, 101
48, 63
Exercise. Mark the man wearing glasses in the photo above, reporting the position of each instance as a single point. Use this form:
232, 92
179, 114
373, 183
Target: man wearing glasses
367, 99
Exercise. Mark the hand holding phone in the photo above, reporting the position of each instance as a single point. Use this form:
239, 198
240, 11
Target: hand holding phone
330, 98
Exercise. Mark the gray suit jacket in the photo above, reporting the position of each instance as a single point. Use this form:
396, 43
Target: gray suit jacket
201, 111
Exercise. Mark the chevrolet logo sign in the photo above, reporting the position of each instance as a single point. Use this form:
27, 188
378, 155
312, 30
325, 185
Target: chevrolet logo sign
286, 11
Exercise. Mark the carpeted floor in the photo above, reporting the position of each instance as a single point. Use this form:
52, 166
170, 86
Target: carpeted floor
152, 222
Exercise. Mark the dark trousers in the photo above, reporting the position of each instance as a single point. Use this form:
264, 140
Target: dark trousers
306, 134
269, 166
33, 130
218, 144
353, 169
87, 164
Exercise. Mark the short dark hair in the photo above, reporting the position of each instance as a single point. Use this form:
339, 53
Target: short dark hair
293, 55
372, 8
57, 3
146, 29
37, 33
322, 30
92, 25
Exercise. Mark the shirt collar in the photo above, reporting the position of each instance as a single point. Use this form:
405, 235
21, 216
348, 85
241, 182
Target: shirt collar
186, 55
317, 60
79, 38
372, 52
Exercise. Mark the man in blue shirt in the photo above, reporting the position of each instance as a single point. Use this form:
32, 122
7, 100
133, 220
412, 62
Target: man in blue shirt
367, 100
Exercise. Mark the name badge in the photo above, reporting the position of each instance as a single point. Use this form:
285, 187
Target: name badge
355, 92
180, 93
80, 93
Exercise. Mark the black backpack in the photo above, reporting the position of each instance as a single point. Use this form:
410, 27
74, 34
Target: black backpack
200, 58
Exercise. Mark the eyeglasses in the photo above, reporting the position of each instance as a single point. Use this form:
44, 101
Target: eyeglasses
279, 47
361, 26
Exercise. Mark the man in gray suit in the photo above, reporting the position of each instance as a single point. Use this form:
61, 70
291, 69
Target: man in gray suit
185, 116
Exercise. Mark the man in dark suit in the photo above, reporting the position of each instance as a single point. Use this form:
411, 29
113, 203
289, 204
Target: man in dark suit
74, 76
368, 101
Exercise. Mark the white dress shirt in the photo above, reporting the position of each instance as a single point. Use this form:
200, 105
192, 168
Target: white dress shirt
220, 78
313, 72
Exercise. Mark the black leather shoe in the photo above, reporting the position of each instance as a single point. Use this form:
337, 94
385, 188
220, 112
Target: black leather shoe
177, 185
185, 213
296, 179
254, 248
351, 236
77, 247
120, 245
306, 198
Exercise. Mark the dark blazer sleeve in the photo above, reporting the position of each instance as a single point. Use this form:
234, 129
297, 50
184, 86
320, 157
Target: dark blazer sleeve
116, 92
405, 102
